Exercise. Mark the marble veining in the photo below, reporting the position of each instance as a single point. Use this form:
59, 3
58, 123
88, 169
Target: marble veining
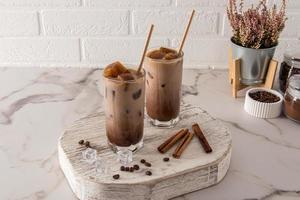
191, 89
274, 141
36, 104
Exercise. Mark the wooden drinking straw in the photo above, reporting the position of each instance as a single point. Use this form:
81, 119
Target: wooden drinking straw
145, 48
186, 31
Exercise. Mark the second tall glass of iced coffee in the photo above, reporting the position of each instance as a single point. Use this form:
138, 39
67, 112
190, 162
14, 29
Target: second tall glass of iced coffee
163, 83
163, 68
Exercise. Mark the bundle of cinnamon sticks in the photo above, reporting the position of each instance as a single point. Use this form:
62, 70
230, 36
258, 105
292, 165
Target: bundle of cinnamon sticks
185, 137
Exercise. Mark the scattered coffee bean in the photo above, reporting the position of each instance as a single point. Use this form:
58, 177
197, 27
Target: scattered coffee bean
166, 159
122, 168
81, 142
143, 161
136, 167
148, 173
116, 176
147, 164
127, 169
131, 169
87, 144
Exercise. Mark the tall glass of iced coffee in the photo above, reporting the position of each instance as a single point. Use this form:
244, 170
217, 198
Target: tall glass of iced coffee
124, 106
163, 68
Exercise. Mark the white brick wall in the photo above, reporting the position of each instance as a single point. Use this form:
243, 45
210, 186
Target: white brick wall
85, 22
126, 49
39, 3
39, 50
97, 32
127, 3
172, 22
18, 24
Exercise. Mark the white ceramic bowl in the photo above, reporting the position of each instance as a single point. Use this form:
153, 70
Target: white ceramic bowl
260, 109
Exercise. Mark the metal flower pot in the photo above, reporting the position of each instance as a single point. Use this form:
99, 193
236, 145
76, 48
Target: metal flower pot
254, 63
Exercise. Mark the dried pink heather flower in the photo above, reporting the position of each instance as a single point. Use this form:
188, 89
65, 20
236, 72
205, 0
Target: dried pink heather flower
257, 27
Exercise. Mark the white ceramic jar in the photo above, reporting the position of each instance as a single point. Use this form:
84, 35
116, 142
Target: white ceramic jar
261, 109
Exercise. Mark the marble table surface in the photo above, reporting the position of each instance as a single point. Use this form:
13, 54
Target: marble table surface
36, 104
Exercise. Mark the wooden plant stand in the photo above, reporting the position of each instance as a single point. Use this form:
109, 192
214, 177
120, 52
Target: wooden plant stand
193, 171
235, 72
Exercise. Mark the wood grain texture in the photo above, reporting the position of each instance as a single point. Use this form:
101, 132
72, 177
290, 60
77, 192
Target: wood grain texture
193, 171
271, 74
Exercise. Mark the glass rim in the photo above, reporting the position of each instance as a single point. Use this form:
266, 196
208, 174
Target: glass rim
292, 58
292, 81
162, 60
126, 81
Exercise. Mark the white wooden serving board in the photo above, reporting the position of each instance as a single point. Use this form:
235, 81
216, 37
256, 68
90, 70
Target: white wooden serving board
193, 171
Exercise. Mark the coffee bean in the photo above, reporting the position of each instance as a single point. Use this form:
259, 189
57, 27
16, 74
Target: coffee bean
136, 167
122, 168
87, 144
166, 159
81, 142
143, 161
131, 169
147, 164
116, 176
148, 173
127, 169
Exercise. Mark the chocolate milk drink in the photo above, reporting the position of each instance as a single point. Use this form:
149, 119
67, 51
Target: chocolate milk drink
163, 68
124, 106
163, 83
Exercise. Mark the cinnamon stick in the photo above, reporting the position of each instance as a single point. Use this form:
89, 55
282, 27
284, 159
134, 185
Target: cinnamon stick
164, 147
183, 145
202, 138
